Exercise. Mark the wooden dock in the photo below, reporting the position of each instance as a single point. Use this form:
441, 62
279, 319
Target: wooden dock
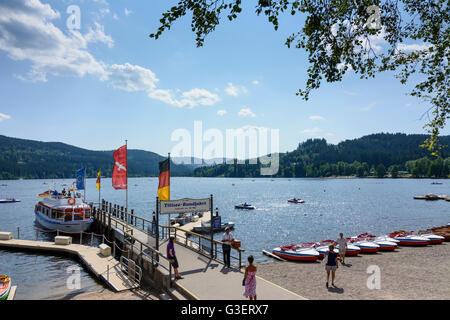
106, 269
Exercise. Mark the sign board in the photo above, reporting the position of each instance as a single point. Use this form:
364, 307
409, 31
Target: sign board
185, 205
217, 223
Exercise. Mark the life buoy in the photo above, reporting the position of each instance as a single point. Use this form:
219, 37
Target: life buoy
71, 201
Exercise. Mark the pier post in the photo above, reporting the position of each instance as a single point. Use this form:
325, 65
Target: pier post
132, 217
36, 234
110, 206
121, 213
103, 204
109, 222
92, 239
115, 211
18, 232
114, 248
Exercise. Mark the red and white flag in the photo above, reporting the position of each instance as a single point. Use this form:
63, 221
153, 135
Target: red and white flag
119, 177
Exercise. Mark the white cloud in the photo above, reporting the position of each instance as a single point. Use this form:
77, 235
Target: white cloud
316, 118
350, 93
98, 35
115, 16
368, 107
412, 47
234, 91
221, 112
4, 117
131, 78
255, 82
128, 12
188, 99
28, 34
246, 112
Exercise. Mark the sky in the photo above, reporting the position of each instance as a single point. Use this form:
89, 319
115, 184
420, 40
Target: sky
96, 86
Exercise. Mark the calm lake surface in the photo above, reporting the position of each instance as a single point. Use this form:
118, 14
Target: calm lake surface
351, 206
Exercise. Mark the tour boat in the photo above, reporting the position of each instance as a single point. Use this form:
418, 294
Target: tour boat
5, 287
245, 206
67, 215
433, 238
410, 239
9, 200
294, 200
296, 253
351, 250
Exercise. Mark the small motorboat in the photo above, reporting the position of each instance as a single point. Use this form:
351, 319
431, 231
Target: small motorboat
245, 206
366, 246
5, 287
351, 250
296, 253
205, 227
9, 200
385, 243
322, 247
410, 239
295, 200
433, 238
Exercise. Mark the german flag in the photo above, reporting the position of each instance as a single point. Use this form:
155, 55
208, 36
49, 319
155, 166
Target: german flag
164, 180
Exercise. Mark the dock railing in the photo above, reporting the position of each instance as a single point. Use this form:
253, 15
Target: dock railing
192, 240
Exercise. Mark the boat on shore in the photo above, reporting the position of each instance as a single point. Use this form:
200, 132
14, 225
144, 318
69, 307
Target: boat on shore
63, 213
366, 246
323, 247
9, 200
245, 206
351, 250
406, 239
433, 238
296, 253
5, 287
184, 218
385, 243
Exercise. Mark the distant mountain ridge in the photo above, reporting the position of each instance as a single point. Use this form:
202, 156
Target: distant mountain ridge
29, 159
316, 158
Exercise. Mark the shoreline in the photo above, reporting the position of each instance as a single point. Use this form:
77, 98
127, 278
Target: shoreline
410, 273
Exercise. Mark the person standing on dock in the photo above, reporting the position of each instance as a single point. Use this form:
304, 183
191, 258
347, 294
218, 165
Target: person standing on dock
250, 280
342, 242
172, 257
227, 240
332, 264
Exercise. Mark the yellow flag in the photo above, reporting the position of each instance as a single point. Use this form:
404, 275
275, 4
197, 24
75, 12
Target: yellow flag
99, 179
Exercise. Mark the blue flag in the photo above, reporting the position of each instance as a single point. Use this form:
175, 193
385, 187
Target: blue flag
80, 178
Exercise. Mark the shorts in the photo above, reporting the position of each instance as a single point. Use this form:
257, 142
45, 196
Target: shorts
342, 251
330, 268
174, 263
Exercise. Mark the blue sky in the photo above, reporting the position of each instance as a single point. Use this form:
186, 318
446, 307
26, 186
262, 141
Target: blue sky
108, 81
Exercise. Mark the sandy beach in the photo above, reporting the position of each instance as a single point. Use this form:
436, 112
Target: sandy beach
408, 273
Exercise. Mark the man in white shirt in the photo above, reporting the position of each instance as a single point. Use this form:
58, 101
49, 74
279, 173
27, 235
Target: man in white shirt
342, 242
227, 240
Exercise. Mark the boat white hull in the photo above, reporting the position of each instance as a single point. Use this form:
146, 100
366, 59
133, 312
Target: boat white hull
367, 246
351, 250
63, 226
302, 254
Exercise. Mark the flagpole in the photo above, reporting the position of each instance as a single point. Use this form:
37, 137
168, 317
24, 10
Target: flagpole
99, 187
126, 155
84, 184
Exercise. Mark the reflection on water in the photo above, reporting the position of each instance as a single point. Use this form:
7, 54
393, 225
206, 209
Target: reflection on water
351, 206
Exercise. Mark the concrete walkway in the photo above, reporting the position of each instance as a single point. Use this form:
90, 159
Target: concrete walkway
89, 256
207, 279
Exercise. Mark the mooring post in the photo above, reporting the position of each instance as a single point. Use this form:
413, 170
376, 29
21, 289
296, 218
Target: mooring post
110, 206
132, 217
121, 213
18, 232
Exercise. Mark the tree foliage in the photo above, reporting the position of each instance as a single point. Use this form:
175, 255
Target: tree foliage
342, 35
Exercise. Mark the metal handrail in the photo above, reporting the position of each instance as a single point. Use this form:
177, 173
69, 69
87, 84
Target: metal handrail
124, 267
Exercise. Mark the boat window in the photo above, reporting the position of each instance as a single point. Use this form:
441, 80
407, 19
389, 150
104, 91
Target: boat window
59, 215
68, 216
78, 215
87, 213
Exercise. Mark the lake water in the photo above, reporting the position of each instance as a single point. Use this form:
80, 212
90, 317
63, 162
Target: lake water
351, 206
